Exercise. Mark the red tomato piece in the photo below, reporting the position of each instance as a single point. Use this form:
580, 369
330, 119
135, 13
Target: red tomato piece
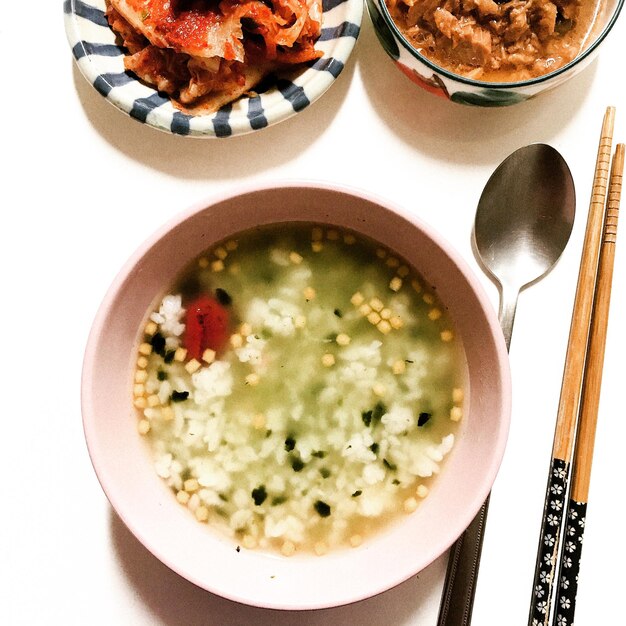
206, 326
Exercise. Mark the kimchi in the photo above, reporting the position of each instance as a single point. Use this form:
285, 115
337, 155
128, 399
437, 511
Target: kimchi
206, 53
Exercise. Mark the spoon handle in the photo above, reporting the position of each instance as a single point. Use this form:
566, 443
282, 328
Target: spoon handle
459, 589
508, 306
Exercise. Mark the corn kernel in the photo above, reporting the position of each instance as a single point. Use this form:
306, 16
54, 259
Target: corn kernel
396, 322
217, 266
231, 245
317, 234
416, 286
320, 548
143, 426
236, 340
395, 284
385, 313
252, 379
379, 389
208, 356
381, 253
150, 329
384, 327
456, 413
295, 258
373, 318
193, 366
349, 239
392, 262
457, 395
249, 542
203, 262
376, 304
142, 362
167, 413
299, 321
245, 329
180, 354
139, 389
317, 246
182, 497
145, 349
343, 339
357, 298
428, 298
288, 548
234, 269
202, 514
309, 293
193, 502
332, 234
140, 402
399, 367
328, 360
191, 485
153, 400
258, 421
446, 335
141, 376
365, 309
422, 491
221, 253
410, 505
434, 314
356, 540
403, 271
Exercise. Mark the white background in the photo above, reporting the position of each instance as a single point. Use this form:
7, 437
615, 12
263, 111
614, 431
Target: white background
81, 187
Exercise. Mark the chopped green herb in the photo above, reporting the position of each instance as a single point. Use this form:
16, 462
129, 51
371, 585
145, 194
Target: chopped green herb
169, 356
323, 510
408, 361
320, 454
325, 472
374, 448
395, 481
238, 548
161, 375
223, 297
179, 396
268, 433
297, 465
279, 500
157, 341
357, 493
290, 444
389, 465
423, 418
223, 497
259, 495
379, 410
338, 313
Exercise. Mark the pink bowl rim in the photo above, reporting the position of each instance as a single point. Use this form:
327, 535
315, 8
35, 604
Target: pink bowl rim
502, 368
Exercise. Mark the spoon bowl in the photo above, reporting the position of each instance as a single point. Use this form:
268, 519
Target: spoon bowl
523, 222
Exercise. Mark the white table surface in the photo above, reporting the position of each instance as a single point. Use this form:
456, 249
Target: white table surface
81, 187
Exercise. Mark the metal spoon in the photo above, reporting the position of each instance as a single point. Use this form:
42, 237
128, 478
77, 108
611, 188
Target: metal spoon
523, 223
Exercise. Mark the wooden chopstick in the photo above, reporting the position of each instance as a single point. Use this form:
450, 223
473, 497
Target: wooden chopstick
565, 599
559, 471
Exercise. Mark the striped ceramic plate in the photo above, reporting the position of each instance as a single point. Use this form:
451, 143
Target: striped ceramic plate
101, 61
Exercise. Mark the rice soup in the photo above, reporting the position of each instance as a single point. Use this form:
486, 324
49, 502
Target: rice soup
299, 387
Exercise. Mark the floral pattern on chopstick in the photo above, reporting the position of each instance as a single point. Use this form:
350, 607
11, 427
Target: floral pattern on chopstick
549, 543
570, 563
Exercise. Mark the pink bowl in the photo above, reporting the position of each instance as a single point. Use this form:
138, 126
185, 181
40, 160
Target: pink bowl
147, 507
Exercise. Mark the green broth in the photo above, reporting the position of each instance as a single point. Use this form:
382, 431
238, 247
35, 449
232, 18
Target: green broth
330, 407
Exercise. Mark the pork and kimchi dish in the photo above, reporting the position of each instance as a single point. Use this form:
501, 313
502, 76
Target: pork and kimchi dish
497, 41
207, 53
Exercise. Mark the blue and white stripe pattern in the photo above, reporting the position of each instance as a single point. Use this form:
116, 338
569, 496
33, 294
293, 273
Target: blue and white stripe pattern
102, 62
